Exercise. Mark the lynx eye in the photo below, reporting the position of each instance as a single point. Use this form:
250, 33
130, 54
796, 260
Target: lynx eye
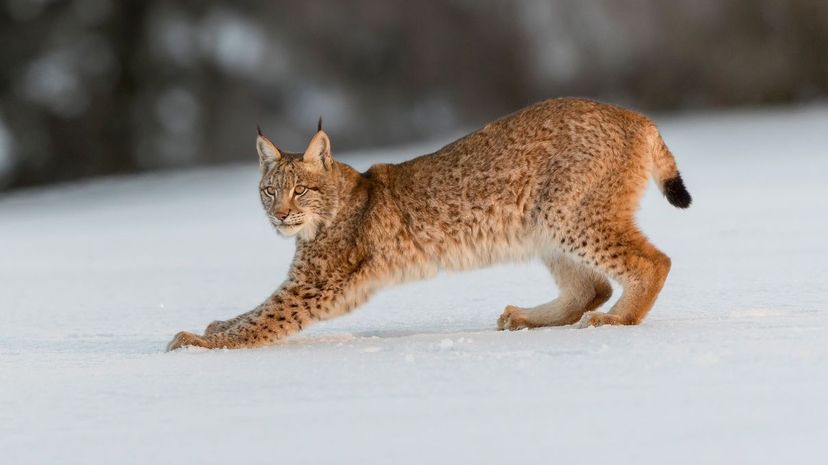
270, 191
299, 190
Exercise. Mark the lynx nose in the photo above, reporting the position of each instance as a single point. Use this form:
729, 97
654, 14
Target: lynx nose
282, 215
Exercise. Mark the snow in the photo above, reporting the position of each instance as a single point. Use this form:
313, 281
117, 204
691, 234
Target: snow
730, 367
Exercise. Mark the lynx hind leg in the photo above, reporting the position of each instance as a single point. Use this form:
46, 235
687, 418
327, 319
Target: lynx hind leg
581, 290
641, 269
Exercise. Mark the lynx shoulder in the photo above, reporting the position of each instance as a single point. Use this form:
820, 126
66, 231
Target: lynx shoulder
559, 181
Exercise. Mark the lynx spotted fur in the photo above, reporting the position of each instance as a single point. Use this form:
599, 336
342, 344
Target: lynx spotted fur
559, 181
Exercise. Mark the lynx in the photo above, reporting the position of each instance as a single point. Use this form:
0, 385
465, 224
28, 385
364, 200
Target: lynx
559, 181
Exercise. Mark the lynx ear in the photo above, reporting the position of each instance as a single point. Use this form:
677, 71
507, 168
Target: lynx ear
268, 153
319, 150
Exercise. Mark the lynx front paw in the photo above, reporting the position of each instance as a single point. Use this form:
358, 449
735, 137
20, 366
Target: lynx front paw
596, 318
184, 339
512, 319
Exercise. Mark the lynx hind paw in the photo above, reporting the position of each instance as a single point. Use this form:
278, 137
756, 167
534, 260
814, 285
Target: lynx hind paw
216, 327
184, 339
512, 319
596, 318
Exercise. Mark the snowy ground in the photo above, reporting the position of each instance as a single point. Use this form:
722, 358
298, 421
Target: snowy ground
730, 367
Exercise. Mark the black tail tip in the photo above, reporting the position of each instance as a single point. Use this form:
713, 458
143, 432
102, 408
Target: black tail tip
676, 193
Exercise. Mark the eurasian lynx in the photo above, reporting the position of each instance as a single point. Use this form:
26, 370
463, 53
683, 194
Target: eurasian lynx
559, 180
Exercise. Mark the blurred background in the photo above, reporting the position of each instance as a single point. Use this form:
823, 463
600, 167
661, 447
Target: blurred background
104, 87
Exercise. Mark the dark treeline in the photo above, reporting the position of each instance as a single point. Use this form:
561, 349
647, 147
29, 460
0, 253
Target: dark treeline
91, 87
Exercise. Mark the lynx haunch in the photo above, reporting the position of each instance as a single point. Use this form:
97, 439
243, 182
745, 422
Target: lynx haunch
559, 181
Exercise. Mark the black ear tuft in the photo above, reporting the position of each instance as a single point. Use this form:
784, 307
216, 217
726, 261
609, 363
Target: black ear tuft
259, 130
319, 125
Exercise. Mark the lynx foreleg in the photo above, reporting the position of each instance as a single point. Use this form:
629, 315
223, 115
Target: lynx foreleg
296, 305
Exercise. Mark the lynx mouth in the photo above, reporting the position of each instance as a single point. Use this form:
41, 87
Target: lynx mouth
281, 224
287, 229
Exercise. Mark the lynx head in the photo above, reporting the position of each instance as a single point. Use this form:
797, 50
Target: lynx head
298, 190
